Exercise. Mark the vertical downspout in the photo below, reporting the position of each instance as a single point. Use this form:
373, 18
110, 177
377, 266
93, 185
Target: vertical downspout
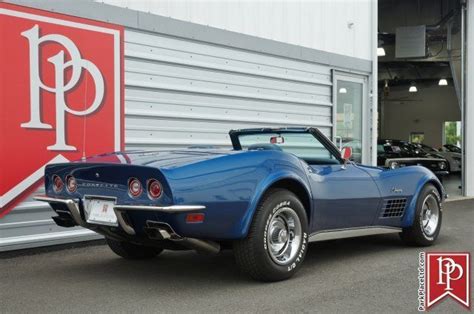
463, 97
374, 87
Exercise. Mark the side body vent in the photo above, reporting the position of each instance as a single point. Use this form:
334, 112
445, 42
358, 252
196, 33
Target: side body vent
394, 207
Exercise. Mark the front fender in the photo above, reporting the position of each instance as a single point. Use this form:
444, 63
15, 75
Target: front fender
263, 186
409, 216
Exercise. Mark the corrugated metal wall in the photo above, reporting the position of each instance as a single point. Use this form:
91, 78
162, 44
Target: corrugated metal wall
180, 92
186, 93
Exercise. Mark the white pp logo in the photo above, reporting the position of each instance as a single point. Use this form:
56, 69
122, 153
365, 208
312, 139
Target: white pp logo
449, 271
77, 63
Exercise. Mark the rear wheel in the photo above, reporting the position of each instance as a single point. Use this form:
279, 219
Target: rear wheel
276, 244
132, 251
428, 216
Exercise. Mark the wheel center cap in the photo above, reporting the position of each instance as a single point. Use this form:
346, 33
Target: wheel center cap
283, 236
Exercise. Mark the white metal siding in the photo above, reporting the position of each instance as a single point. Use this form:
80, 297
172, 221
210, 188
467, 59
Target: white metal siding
337, 26
180, 92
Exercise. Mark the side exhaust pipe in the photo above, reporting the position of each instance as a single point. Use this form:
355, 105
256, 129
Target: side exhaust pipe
201, 246
162, 231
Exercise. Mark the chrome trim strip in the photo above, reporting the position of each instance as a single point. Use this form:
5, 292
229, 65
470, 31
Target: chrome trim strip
351, 233
73, 207
167, 209
71, 204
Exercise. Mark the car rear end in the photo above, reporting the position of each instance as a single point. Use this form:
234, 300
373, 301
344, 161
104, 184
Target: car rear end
120, 201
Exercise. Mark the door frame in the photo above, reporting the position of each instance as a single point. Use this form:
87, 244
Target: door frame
364, 80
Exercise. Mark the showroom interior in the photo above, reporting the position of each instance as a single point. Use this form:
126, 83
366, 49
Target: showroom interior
419, 78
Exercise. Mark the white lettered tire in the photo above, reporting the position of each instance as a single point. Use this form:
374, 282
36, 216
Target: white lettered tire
427, 221
277, 241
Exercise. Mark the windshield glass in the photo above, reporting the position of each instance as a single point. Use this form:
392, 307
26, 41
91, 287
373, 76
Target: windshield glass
303, 145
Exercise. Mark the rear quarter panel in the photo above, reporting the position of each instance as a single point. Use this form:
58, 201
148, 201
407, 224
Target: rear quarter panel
230, 187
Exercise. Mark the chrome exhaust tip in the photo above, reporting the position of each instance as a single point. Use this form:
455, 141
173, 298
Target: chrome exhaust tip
162, 231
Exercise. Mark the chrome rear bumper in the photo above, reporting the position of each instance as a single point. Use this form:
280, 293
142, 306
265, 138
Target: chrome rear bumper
73, 207
71, 204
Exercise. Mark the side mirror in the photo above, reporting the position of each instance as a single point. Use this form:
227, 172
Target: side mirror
346, 153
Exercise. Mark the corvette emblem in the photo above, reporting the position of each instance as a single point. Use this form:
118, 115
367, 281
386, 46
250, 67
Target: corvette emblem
397, 190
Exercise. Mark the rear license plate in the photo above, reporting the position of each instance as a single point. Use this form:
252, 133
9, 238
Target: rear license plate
101, 211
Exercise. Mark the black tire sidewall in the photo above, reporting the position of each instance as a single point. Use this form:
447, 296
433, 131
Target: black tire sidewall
277, 200
418, 223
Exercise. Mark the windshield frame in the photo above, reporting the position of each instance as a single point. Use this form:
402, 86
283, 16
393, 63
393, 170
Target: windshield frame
325, 141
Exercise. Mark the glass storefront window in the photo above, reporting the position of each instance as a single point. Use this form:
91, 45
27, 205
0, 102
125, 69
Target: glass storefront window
349, 113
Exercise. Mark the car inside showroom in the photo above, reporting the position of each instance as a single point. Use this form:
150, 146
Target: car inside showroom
236, 155
419, 80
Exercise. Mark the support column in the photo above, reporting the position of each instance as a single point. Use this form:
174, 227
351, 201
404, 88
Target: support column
374, 88
468, 113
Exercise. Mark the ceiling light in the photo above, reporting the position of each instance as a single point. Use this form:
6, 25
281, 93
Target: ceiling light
380, 52
443, 82
342, 90
413, 89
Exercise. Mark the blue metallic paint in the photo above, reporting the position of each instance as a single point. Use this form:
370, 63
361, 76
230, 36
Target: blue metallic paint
343, 197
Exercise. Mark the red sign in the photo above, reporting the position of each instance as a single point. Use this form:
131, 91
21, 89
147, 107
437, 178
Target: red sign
61, 83
447, 274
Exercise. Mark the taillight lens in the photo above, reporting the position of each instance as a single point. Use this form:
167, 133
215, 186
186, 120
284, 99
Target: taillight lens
134, 187
71, 184
154, 188
57, 184
194, 218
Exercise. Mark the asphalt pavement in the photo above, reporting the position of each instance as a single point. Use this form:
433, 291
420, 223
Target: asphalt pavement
375, 274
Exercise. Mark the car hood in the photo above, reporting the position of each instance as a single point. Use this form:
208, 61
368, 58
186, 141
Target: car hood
161, 158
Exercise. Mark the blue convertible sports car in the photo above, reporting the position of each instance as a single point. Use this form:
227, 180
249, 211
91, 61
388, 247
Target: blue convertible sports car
274, 192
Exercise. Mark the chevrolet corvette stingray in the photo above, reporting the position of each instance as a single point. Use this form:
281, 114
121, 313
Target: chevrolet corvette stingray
275, 191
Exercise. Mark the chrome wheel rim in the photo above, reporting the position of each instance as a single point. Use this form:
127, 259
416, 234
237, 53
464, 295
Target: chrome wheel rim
284, 235
430, 215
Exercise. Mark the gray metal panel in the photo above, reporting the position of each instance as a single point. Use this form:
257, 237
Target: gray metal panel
410, 42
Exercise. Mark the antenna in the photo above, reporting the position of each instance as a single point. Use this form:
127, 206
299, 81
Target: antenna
84, 123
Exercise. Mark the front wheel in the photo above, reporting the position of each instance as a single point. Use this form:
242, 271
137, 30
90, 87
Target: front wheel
428, 216
132, 251
276, 244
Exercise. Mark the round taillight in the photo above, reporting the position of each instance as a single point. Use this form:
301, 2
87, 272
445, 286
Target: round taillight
57, 184
71, 184
154, 188
134, 187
